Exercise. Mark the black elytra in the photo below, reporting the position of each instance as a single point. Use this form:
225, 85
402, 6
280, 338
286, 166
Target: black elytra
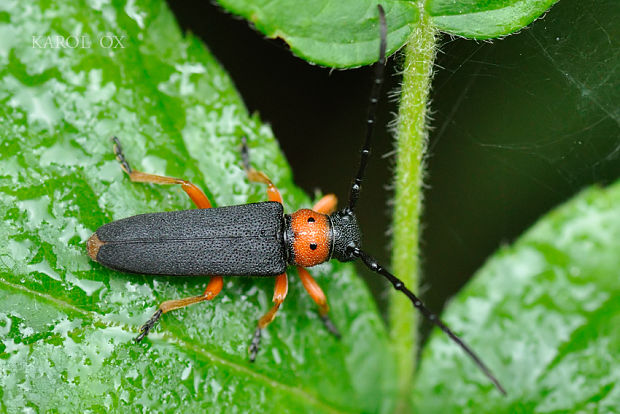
236, 240
252, 240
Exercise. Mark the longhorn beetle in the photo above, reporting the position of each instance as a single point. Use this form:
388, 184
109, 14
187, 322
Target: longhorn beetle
253, 239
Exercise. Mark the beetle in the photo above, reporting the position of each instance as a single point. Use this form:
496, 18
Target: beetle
256, 239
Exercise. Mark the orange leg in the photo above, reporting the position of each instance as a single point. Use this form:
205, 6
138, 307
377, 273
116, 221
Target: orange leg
326, 205
281, 285
316, 293
201, 201
258, 176
280, 291
213, 288
198, 197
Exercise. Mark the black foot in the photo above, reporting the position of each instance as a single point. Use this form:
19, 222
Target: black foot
255, 343
118, 151
245, 153
146, 328
330, 326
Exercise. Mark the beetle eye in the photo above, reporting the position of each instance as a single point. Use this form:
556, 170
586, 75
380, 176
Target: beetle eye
311, 220
313, 246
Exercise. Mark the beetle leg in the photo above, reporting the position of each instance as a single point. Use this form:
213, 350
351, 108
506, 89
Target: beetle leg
258, 176
280, 291
316, 293
326, 205
201, 201
213, 288
198, 197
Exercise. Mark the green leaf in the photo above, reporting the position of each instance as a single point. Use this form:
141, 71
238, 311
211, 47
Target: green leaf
544, 314
344, 33
341, 33
66, 323
485, 19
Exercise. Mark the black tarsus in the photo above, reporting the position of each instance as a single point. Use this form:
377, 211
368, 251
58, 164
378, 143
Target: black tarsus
329, 325
245, 154
118, 151
146, 328
255, 344
399, 285
372, 112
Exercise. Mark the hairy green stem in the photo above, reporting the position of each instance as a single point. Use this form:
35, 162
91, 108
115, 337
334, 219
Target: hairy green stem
411, 143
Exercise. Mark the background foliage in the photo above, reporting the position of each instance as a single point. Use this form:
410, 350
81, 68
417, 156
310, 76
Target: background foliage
67, 323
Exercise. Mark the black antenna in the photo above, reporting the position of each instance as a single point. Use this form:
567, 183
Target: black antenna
355, 251
417, 303
372, 112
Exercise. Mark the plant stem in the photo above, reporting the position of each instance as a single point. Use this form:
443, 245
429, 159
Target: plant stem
412, 134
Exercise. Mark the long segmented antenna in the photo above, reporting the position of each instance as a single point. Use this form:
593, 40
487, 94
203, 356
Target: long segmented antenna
417, 303
372, 112
356, 187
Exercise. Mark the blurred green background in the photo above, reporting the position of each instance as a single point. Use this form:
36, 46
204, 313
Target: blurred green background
518, 126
